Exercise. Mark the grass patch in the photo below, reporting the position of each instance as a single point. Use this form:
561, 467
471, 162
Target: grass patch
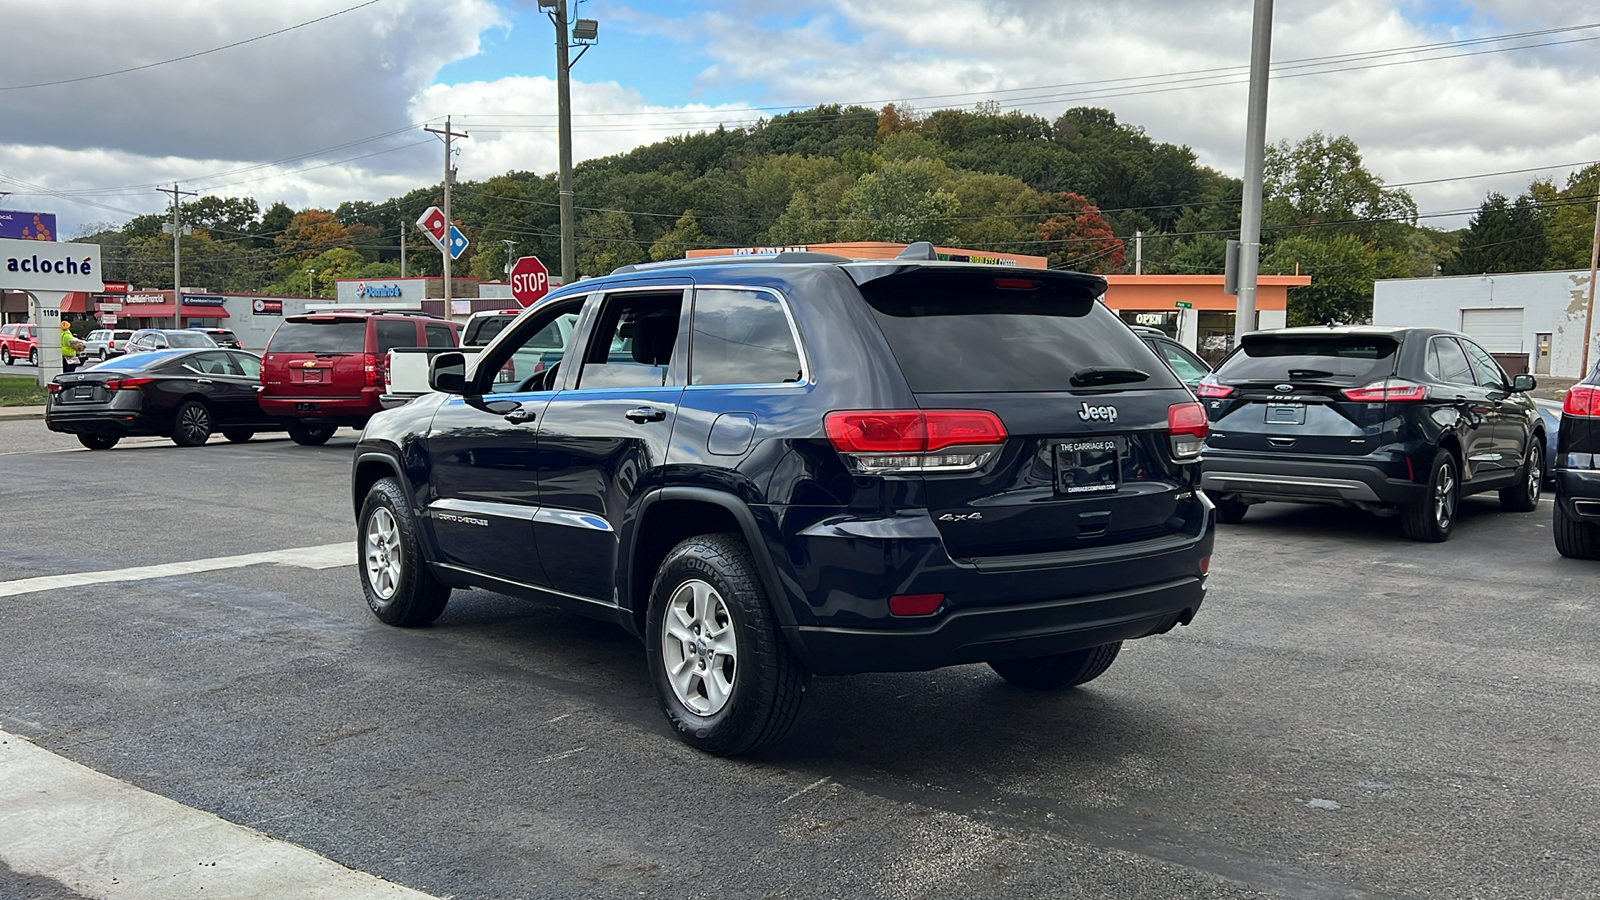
20, 390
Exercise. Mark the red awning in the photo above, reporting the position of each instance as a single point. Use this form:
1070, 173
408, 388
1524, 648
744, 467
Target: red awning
75, 302
145, 310
204, 312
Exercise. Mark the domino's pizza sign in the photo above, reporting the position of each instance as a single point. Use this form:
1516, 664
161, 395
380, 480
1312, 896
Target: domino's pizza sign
396, 293
366, 291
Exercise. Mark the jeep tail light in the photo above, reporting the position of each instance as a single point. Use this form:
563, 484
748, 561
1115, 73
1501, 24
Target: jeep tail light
1209, 388
1388, 390
1187, 427
374, 370
884, 441
1581, 401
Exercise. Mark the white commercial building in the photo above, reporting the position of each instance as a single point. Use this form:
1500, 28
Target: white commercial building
1531, 321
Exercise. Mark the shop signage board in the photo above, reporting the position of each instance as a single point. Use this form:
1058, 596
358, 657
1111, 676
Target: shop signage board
49, 266
263, 307
1183, 304
17, 225
434, 226
458, 243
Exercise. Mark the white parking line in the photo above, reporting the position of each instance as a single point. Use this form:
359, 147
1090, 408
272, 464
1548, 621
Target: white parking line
327, 556
105, 839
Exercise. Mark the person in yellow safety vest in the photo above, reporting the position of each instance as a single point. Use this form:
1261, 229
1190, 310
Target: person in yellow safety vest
69, 348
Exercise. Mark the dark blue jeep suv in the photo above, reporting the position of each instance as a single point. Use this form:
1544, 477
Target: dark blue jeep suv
772, 466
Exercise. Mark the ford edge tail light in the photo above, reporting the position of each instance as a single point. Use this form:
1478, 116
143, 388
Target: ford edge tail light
877, 442
1388, 390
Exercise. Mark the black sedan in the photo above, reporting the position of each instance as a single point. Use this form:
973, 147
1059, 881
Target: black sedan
186, 395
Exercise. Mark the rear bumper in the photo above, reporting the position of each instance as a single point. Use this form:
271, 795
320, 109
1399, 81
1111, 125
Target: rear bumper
344, 411
1304, 480
120, 423
1020, 632
840, 572
1578, 492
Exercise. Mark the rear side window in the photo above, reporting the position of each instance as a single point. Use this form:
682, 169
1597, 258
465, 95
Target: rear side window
329, 336
438, 335
741, 337
967, 335
392, 334
480, 332
1447, 363
121, 335
1339, 358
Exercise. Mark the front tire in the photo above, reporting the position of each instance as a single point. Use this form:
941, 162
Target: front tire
311, 435
1575, 538
726, 679
395, 578
5, 356
33, 357
191, 427
1524, 495
98, 441
237, 435
1433, 517
1058, 672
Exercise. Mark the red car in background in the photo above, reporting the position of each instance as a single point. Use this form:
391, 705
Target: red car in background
20, 341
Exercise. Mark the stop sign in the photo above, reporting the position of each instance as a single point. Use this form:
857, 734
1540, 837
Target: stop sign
529, 280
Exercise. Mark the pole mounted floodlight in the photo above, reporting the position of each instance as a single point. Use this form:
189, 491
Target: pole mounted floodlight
585, 30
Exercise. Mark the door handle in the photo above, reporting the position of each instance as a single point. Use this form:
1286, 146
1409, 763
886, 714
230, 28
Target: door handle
519, 415
202, 381
645, 414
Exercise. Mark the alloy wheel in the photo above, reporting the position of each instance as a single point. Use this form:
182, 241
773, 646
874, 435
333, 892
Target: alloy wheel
1444, 497
383, 553
196, 423
699, 648
1535, 473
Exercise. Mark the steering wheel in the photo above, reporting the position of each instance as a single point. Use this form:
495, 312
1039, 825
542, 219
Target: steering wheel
539, 381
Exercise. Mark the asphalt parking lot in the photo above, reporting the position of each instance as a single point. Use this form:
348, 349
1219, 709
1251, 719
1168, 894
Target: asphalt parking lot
1351, 715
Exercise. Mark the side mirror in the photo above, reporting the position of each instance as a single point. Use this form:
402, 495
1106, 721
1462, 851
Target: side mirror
447, 373
1523, 383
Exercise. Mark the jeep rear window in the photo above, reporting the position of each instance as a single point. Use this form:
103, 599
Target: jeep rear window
967, 337
1342, 358
334, 336
481, 331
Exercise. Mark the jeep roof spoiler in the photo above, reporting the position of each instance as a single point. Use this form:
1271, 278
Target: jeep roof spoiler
908, 271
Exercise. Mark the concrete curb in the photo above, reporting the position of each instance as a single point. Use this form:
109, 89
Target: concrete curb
21, 412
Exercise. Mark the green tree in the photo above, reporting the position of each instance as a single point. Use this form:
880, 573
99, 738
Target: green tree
1504, 236
684, 236
903, 201
1342, 268
606, 241
1569, 218
1322, 180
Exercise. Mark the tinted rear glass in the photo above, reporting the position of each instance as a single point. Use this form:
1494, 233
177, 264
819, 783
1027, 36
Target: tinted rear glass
968, 337
1342, 358
338, 336
180, 339
484, 330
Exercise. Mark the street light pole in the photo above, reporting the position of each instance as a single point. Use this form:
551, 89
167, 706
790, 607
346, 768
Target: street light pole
177, 232
569, 250
1255, 152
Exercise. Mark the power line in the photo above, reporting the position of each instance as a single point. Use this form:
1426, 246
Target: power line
22, 87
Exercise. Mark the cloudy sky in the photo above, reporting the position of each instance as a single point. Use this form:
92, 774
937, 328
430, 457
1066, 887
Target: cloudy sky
1432, 90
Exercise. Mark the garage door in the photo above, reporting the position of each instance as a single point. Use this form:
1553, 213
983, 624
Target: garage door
1498, 330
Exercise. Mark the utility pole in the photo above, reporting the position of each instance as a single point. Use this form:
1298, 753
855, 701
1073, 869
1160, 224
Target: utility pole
449, 179
1138, 253
403, 228
583, 32
1594, 269
1255, 152
510, 246
177, 232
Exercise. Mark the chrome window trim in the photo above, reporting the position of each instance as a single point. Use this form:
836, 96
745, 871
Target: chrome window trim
794, 334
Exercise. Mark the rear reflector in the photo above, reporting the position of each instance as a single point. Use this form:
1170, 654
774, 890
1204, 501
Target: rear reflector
1187, 427
1581, 401
1390, 390
1205, 565
915, 604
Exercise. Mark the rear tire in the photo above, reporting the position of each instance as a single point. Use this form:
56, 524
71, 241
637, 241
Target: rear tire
1433, 517
237, 435
1231, 512
311, 435
726, 679
399, 587
98, 441
1575, 538
1524, 495
191, 427
1054, 673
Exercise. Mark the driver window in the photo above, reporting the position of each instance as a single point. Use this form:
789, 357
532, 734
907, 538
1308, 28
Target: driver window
1483, 365
536, 346
634, 341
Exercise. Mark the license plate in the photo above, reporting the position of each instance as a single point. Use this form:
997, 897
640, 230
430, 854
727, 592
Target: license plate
312, 376
82, 392
1087, 467
306, 407
1286, 414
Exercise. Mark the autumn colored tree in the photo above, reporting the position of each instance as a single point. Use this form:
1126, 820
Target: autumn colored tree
1079, 238
311, 232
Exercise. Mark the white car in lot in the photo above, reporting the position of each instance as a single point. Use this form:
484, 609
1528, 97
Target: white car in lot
104, 343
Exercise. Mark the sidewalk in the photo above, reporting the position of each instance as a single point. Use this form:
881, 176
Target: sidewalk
21, 412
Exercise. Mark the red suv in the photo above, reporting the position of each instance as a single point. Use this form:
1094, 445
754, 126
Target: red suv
325, 370
19, 342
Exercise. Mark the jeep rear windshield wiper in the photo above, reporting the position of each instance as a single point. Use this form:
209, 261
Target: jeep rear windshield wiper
1097, 375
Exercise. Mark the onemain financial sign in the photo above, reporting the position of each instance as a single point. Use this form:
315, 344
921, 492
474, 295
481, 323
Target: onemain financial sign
49, 266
